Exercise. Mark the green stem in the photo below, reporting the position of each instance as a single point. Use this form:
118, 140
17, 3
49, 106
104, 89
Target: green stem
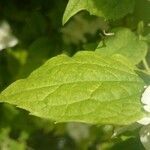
146, 65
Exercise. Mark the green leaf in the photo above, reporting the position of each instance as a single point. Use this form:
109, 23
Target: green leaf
109, 9
126, 43
87, 88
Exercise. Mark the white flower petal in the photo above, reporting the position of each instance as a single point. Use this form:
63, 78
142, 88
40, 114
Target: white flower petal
146, 96
144, 121
147, 108
6, 37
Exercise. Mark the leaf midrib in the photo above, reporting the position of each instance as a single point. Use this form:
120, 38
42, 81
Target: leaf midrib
28, 90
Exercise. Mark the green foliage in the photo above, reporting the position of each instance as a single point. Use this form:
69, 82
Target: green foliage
103, 8
101, 86
98, 87
6, 143
126, 43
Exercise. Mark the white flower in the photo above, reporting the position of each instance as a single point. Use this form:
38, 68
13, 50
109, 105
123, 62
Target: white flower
146, 97
6, 37
144, 121
145, 130
146, 101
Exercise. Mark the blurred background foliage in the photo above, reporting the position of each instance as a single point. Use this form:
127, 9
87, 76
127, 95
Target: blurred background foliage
36, 27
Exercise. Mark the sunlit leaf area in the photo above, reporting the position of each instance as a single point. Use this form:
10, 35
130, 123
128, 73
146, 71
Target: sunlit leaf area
74, 75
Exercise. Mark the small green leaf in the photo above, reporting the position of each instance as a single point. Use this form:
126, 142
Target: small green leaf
87, 88
109, 9
126, 43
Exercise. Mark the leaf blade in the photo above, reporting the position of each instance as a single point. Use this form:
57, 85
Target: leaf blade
87, 88
102, 8
126, 43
